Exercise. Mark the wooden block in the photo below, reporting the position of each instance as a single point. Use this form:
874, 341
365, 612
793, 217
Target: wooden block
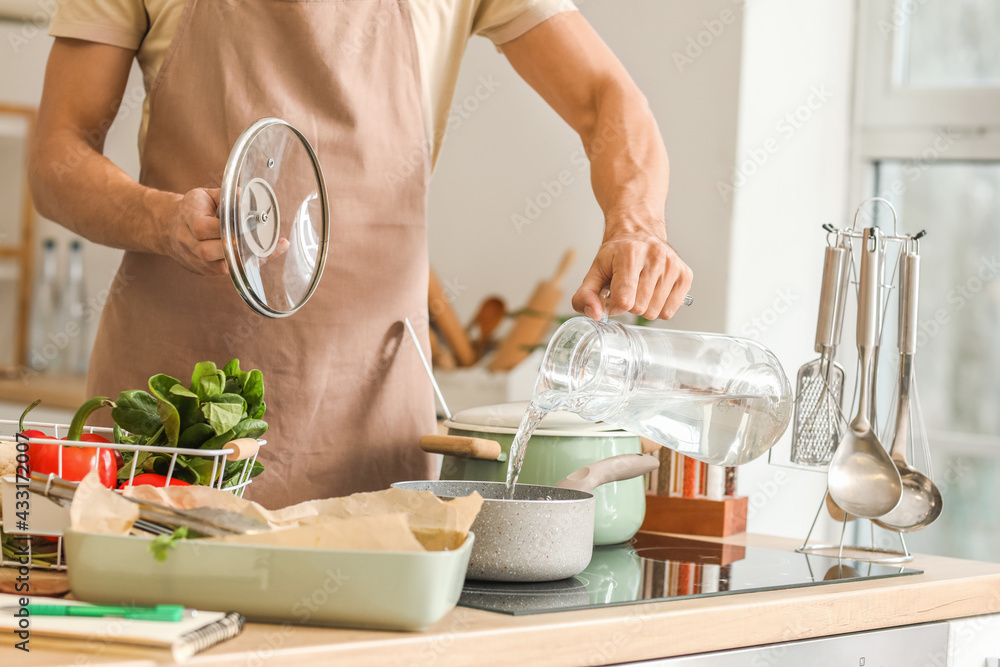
696, 516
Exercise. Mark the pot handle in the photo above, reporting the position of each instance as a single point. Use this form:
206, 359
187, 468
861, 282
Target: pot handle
461, 446
613, 469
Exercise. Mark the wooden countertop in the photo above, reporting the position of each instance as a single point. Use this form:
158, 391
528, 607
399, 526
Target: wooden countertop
949, 588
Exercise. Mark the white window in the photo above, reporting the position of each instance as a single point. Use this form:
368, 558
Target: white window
927, 138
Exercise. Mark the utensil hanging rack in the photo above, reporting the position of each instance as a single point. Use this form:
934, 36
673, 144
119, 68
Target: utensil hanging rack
845, 237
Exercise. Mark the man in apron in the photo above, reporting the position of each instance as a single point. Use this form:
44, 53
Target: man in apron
367, 82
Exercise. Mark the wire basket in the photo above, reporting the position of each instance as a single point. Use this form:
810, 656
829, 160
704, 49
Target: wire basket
13, 523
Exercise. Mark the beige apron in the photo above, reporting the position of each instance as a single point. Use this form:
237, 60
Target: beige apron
346, 396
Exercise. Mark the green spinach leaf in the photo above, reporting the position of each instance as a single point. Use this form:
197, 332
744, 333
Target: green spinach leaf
253, 392
180, 390
136, 412
160, 386
161, 544
222, 417
250, 428
194, 436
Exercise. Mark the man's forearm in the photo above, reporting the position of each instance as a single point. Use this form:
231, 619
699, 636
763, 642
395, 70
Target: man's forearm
629, 166
75, 185
575, 72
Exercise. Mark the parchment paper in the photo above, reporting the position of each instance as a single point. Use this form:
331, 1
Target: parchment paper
393, 519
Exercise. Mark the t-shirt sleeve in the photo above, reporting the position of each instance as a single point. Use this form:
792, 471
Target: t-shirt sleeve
121, 23
504, 20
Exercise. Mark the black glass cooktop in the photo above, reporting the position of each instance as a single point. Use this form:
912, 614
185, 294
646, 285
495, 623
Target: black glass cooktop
653, 568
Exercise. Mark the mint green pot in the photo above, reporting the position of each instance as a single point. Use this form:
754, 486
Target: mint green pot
551, 456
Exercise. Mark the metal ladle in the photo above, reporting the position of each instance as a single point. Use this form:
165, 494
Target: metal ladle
921, 503
863, 480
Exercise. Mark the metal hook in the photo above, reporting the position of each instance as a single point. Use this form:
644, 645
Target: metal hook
48, 483
830, 231
854, 225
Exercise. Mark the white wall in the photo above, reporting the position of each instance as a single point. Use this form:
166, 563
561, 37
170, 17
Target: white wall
504, 149
796, 60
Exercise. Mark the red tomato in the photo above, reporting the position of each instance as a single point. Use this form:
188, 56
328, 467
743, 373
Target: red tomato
153, 479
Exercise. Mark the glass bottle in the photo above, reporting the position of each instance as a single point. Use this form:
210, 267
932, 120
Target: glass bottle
44, 355
716, 398
73, 328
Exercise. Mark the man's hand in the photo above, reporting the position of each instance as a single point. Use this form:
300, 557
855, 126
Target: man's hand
566, 62
645, 274
193, 235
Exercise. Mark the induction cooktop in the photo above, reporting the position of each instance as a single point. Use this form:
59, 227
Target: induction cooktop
656, 568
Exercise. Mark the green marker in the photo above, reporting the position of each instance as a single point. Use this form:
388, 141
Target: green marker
162, 612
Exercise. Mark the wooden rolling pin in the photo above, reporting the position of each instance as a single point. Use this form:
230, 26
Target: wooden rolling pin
447, 323
534, 321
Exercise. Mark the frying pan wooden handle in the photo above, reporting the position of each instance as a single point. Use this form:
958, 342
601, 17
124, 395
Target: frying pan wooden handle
461, 446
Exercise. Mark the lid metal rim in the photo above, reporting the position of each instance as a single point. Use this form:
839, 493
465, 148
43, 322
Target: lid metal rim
229, 179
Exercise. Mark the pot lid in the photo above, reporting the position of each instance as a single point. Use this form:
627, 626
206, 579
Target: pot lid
275, 217
507, 416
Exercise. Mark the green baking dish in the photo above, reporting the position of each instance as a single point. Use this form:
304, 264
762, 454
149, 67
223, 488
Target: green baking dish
373, 590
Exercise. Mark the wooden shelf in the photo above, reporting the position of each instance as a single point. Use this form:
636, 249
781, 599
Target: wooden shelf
56, 391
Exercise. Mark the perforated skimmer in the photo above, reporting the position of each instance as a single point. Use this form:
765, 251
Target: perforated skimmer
819, 390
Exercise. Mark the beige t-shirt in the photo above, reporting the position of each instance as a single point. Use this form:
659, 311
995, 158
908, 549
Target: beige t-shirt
442, 28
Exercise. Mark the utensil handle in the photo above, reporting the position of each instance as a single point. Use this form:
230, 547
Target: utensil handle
869, 287
843, 289
909, 281
869, 279
612, 469
829, 301
461, 446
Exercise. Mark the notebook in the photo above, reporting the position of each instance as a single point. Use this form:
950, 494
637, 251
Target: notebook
197, 631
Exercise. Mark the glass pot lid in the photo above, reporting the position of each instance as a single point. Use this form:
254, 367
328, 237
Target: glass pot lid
275, 217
